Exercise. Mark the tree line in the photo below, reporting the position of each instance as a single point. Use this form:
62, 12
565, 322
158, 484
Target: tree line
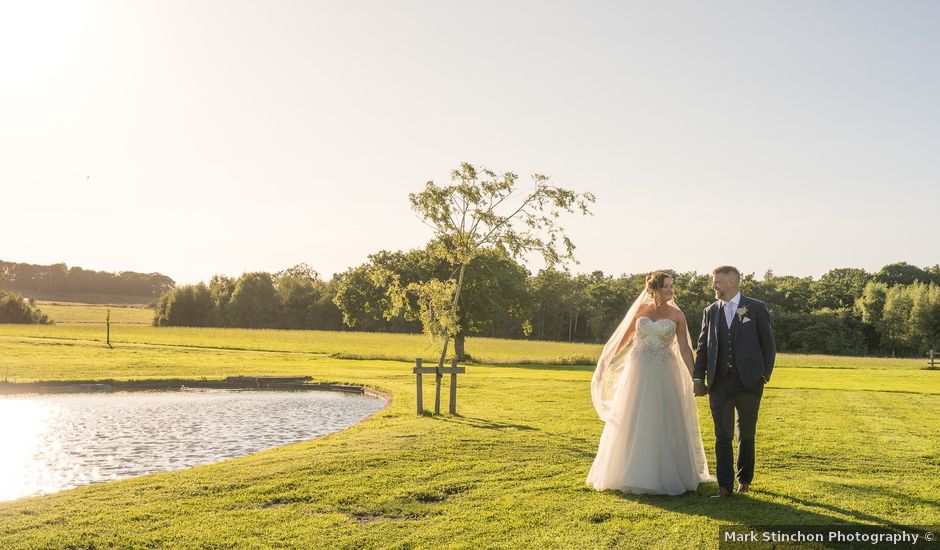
295, 298
848, 311
59, 278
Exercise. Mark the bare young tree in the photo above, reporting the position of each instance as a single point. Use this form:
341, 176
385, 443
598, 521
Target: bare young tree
480, 210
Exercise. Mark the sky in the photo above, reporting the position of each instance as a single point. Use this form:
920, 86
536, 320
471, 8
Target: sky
195, 137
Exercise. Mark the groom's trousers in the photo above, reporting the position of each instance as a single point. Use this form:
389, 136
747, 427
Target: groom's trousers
726, 397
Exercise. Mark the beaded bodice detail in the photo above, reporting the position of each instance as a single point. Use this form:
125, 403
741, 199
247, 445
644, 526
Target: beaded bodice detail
654, 336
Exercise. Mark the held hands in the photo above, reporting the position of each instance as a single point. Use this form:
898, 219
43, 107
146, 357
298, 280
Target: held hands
698, 388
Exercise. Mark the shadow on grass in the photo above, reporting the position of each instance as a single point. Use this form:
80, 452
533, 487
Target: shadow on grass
482, 423
854, 514
753, 510
536, 366
881, 492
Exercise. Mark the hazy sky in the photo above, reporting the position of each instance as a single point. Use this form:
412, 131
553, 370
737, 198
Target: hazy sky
197, 137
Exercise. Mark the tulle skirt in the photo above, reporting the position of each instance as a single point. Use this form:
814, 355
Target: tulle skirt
651, 442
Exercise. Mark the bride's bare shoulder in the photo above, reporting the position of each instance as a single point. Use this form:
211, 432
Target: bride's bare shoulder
676, 314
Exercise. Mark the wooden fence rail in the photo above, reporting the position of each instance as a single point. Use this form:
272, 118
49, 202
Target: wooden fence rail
439, 371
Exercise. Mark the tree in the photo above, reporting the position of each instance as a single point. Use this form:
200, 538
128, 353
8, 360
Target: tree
305, 300
254, 302
693, 294
300, 271
364, 300
554, 292
780, 293
55, 277
934, 273
324, 313
829, 331
870, 308
296, 296
221, 289
924, 328
186, 306
901, 273
498, 296
409, 267
839, 288
895, 320
497, 300
14, 309
475, 214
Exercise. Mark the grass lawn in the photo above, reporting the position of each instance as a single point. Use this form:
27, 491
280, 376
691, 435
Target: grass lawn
88, 314
839, 440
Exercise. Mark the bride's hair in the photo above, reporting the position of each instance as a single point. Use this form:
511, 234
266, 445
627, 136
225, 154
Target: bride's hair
654, 283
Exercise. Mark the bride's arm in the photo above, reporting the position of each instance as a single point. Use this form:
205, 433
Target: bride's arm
682, 333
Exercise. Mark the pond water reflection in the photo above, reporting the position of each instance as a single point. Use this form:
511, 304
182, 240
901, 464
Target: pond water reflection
55, 442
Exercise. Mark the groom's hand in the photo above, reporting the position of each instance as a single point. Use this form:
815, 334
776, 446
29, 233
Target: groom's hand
698, 388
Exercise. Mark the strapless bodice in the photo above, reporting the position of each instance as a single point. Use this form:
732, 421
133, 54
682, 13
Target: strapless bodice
655, 335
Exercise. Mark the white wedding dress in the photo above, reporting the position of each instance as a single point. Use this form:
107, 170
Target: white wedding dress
651, 441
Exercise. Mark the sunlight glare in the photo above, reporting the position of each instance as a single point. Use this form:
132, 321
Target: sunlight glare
40, 47
25, 423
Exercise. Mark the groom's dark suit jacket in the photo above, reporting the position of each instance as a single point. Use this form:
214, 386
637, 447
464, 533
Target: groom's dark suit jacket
752, 344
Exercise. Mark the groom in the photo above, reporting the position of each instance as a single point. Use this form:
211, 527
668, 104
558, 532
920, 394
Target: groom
735, 357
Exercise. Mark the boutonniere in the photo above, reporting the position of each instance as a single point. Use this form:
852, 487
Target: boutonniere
742, 312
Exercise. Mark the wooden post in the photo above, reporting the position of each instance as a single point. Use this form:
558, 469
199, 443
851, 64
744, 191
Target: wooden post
418, 377
108, 334
437, 389
439, 371
453, 387
932, 363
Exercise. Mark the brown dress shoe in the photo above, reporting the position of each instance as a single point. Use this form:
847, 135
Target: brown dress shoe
722, 493
744, 487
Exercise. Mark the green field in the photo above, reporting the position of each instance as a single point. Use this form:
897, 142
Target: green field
839, 440
87, 314
99, 299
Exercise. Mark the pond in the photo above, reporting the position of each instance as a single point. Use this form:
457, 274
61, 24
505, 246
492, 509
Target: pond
56, 442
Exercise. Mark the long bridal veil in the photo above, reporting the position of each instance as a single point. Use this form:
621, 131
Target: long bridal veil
619, 371
616, 359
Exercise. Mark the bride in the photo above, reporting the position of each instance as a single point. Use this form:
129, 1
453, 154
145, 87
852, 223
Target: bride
642, 390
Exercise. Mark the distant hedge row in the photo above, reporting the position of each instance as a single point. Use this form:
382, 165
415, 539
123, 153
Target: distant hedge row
59, 278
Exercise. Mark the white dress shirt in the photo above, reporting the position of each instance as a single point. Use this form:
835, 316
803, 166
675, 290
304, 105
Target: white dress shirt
730, 311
